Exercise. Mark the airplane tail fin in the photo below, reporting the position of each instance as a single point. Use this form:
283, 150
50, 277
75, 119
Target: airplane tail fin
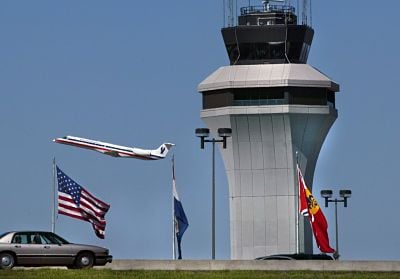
163, 150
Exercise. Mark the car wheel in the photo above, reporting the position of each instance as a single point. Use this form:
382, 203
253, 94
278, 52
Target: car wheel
84, 260
7, 260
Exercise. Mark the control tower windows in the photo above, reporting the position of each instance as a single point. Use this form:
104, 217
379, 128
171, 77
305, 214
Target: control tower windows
268, 96
266, 44
268, 52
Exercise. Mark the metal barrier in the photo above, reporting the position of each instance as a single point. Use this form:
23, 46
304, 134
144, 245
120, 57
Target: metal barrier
269, 8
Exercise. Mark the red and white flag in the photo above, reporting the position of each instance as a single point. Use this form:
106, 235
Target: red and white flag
308, 206
76, 202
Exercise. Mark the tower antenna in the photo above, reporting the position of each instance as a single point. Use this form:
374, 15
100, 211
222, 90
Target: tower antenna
306, 13
229, 12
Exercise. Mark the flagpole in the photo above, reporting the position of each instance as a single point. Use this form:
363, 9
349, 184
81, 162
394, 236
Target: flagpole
173, 210
297, 207
53, 215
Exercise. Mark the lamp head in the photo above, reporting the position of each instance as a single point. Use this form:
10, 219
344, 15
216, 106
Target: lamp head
345, 193
202, 132
326, 194
225, 132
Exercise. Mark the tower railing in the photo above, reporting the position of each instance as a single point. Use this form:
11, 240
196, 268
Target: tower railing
271, 8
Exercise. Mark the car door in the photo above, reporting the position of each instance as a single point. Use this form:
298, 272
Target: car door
28, 252
54, 252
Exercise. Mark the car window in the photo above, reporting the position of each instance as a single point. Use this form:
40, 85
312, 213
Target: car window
50, 239
45, 239
55, 239
16, 239
21, 238
36, 238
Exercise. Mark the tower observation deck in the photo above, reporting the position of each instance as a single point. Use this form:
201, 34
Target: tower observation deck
277, 106
267, 35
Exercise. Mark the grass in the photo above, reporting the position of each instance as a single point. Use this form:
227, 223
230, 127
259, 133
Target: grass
106, 273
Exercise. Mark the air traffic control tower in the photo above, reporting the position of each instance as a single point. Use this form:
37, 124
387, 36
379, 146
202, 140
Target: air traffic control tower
276, 105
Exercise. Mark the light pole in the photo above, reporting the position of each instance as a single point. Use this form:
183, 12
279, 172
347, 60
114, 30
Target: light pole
203, 134
327, 194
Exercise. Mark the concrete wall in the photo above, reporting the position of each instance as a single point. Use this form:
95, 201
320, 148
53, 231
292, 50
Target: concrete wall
260, 163
253, 265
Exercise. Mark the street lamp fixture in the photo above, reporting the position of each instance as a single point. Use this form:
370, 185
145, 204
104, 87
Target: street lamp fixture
224, 133
327, 195
203, 134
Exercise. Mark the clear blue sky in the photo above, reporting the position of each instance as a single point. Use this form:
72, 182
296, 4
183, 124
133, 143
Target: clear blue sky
127, 72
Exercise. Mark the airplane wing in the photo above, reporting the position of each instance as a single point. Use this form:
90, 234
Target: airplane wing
110, 153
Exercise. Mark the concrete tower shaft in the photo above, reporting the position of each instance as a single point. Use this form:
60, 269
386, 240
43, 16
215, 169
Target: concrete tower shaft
276, 105
295, 113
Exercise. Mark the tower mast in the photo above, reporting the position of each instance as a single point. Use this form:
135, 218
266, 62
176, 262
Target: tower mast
229, 12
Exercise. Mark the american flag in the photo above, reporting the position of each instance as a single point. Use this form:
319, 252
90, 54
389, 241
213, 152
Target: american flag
76, 202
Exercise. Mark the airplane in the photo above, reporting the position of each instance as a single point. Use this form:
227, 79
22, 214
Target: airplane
116, 150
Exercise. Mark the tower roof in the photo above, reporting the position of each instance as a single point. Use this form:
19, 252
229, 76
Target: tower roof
267, 75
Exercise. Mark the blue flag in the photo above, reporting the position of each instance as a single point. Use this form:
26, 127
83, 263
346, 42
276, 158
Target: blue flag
180, 220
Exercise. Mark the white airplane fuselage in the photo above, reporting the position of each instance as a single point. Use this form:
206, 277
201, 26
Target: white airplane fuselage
116, 150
